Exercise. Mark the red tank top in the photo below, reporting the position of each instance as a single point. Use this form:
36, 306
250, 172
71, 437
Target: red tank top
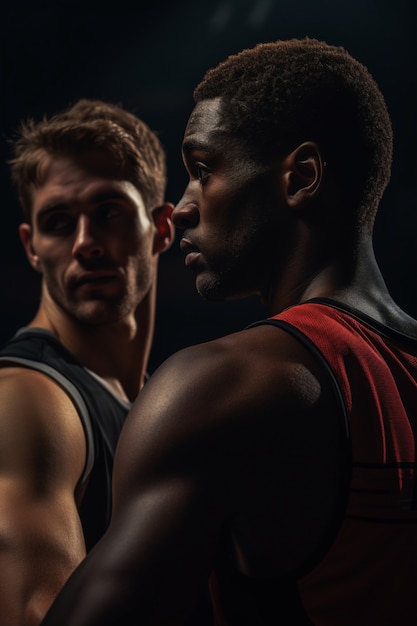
368, 577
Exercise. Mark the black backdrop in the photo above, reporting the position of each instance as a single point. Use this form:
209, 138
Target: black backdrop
148, 55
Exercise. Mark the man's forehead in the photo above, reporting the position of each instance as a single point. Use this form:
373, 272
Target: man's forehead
206, 121
98, 162
65, 180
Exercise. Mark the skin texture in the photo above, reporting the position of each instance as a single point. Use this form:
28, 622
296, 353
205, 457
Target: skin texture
119, 265
97, 247
212, 430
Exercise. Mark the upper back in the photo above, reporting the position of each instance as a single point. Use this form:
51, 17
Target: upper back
373, 538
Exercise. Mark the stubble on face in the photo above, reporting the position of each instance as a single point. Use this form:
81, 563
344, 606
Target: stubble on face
102, 305
238, 205
101, 281
239, 270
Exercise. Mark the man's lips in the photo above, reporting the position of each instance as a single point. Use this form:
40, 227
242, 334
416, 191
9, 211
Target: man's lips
94, 277
190, 250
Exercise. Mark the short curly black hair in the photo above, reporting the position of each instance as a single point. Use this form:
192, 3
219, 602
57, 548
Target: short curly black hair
136, 151
279, 94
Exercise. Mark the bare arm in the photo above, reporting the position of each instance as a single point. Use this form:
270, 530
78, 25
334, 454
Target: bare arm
42, 452
155, 558
192, 457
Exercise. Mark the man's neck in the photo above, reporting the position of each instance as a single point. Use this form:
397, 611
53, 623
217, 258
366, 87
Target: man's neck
117, 352
355, 281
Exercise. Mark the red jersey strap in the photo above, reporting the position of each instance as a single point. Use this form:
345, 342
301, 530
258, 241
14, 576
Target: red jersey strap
363, 358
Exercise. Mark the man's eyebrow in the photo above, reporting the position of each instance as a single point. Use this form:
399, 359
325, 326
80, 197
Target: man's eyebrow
110, 194
58, 204
52, 206
189, 145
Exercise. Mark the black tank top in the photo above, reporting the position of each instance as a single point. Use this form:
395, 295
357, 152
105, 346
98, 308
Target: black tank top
101, 412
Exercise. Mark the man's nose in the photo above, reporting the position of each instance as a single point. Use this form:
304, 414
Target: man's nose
186, 214
87, 240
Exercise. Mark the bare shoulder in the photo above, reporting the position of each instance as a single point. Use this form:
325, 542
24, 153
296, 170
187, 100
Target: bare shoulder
233, 421
42, 456
229, 385
263, 361
38, 422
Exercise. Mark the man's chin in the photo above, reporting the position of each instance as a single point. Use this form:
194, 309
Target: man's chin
220, 288
209, 288
99, 313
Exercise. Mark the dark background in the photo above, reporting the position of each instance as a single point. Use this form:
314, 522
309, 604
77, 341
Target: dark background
149, 56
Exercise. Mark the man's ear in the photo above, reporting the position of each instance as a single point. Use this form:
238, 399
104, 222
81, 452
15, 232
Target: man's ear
165, 230
303, 174
25, 234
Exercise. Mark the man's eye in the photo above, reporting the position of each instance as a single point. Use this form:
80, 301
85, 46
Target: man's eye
58, 224
203, 173
108, 211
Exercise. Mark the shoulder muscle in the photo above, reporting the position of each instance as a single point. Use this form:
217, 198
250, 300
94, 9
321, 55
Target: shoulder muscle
39, 426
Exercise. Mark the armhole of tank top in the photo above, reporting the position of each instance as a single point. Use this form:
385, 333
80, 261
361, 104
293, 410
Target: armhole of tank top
76, 398
311, 347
